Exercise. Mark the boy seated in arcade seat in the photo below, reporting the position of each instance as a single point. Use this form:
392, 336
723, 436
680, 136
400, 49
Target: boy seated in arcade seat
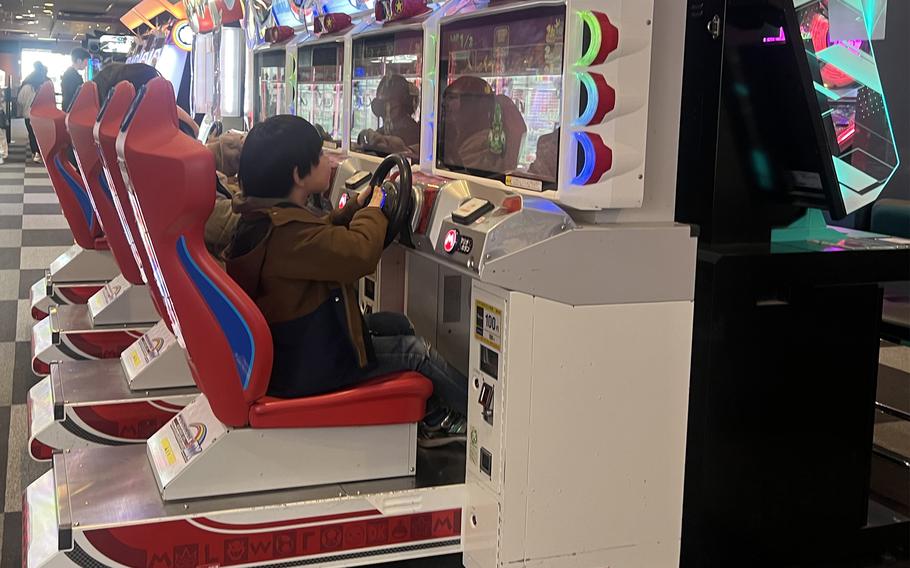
300, 264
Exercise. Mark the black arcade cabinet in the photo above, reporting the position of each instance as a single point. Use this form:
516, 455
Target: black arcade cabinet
787, 310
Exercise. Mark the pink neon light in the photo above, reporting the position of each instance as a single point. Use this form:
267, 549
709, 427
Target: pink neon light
846, 135
781, 37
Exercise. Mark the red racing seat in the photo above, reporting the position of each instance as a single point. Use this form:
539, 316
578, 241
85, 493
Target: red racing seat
105, 131
172, 180
80, 122
48, 122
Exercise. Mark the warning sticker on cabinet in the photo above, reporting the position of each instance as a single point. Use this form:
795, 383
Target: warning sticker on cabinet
488, 325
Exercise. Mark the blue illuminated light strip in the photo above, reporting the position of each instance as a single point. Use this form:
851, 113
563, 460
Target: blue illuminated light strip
587, 82
235, 328
85, 203
590, 156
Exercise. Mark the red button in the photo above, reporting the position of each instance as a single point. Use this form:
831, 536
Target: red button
451, 242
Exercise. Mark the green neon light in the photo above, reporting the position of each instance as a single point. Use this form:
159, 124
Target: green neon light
589, 19
828, 93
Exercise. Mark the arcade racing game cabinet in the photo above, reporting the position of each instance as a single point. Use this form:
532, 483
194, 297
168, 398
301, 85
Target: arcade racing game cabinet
786, 344
562, 285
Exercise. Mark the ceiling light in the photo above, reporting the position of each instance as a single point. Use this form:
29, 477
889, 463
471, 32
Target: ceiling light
48, 4
48, 11
18, 16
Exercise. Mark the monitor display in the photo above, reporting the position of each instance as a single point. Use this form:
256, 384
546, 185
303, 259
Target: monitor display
500, 99
386, 93
116, 44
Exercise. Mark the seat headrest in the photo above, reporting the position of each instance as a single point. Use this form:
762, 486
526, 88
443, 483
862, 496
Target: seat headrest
171, 178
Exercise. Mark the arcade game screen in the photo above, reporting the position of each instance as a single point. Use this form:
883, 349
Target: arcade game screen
272, 99
850, 94
319, 89
386, 93
501, 95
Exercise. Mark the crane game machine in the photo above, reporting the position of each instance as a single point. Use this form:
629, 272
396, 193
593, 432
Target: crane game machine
788, 309
218, 78
540, 257
269, 27
218, 64
319, 60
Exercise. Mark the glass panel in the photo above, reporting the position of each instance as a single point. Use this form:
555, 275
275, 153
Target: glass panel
851, 97
319, 89
501, 100
386, 94
271, 85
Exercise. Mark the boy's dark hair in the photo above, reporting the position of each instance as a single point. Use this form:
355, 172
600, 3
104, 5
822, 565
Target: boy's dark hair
136, 73
79, 54
272, 150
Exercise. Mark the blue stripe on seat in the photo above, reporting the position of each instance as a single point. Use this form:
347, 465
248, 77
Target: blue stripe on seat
85, 204
107, 190
235, 328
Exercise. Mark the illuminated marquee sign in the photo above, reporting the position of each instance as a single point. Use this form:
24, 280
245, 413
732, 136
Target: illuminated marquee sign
183, 35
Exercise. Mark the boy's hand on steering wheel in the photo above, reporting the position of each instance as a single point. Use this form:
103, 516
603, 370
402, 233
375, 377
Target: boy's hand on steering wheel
363, 196
376, 197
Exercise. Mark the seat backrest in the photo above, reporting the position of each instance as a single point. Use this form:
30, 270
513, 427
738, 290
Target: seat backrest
48, 122
80, 123
105, 131
170, 179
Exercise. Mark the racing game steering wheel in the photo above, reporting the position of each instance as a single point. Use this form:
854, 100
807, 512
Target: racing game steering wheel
398, 196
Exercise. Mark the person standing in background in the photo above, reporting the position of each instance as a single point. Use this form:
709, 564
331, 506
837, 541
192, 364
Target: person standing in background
27, 91
72, 78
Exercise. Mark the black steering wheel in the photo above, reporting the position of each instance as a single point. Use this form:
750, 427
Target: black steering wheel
398, 196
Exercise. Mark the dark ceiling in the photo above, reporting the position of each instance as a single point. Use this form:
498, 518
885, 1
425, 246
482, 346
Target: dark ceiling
60, 19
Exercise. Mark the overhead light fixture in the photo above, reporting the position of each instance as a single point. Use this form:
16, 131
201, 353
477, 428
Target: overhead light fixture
18, 16
48, 11
50, 4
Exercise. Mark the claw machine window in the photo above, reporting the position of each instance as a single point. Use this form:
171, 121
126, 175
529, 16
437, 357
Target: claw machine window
320, 88
271, 89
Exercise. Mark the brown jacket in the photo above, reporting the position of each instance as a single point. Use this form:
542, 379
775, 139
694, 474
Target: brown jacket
301, 269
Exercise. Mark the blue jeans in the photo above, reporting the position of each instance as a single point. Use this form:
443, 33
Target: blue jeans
398, 349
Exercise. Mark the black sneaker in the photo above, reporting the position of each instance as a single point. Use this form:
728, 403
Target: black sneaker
452, 430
